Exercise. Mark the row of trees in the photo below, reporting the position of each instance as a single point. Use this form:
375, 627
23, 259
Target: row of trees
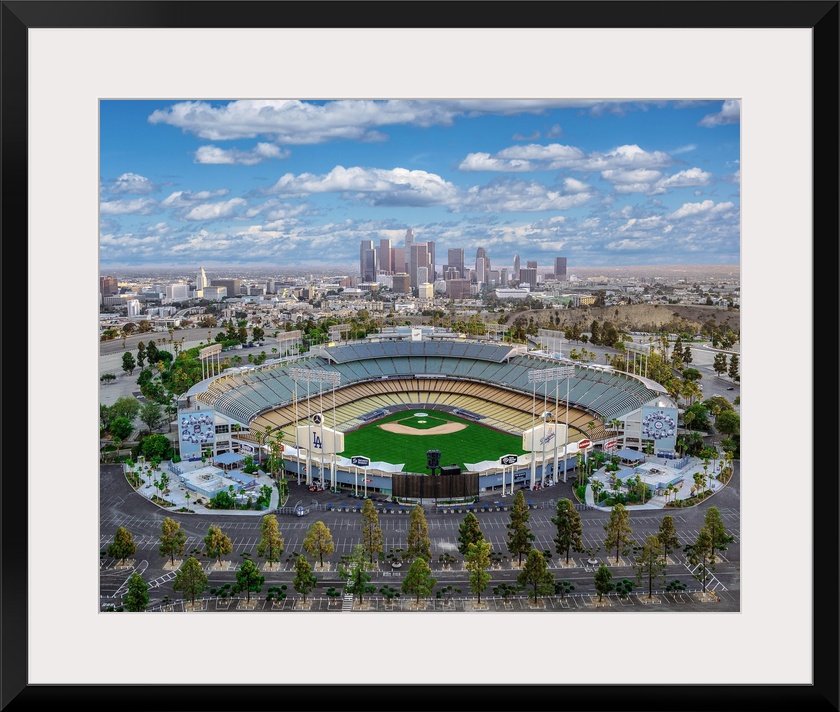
649, 559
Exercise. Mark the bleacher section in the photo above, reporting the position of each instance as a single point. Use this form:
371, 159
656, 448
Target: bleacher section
489, 381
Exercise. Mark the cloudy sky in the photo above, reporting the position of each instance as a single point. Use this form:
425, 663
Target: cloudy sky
292, 183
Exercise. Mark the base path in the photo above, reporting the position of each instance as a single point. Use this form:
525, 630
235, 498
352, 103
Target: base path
444, 429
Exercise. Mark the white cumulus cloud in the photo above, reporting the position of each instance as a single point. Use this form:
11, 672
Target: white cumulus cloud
214, 211
706, 208
133, 184
137, 206
397, 186
231, 157
730, 113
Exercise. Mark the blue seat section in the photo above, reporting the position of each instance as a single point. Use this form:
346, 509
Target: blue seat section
245, 394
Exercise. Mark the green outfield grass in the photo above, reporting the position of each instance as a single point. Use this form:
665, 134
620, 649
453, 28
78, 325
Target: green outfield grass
472, 444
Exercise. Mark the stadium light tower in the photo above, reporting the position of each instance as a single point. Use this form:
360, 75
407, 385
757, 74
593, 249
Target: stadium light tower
311, 375
545, 375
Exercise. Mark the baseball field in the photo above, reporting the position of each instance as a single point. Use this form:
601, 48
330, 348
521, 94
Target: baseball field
405, 437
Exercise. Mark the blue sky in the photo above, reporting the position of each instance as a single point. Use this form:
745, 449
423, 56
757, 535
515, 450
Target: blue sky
282, 184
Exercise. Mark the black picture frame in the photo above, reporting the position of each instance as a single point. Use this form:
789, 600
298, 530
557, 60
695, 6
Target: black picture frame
821, 17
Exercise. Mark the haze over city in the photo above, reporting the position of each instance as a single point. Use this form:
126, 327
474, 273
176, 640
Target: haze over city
285, 185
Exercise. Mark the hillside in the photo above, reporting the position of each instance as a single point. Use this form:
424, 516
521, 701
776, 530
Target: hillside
635, 317
631, 317
650, 317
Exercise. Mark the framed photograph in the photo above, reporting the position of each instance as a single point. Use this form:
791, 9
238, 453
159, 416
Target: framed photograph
87, 83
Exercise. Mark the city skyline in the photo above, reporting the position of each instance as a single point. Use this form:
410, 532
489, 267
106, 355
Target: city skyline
293, 184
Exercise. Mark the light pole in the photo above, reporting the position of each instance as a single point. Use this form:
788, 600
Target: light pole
320, 377
544, 375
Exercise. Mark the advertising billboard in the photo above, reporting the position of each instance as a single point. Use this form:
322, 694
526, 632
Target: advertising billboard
196, 430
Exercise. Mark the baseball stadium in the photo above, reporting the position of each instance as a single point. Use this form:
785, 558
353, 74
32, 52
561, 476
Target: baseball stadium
369, 413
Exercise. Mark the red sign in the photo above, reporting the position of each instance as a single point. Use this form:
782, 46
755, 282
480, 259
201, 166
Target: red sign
584, 444
610, 444
368, 480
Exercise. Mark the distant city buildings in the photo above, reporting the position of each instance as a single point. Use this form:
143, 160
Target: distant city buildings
108, 287
560, 269
278, 299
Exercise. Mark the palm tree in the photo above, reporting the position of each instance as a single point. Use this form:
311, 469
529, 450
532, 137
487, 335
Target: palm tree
597, 486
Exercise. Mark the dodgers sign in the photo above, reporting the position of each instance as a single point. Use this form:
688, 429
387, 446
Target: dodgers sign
508, 460
360, 461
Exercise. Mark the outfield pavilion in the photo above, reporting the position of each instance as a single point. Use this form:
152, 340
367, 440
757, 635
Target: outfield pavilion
353, 383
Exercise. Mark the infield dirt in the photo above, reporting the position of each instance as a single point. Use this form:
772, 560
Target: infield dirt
401, 429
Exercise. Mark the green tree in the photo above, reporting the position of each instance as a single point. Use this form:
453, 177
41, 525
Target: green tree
156, 448
372, 541
389, 592
190, 579
624, 587
603, 581
714, 523
520, 535
536, 576
123, 545
719, 364
151, 415
668, 536
418, 579
469, 532
274, 441
569, 528
561, 588
278, 593
729, 423
733, 368
419, 543
173, 539
355, 571
618, 531
506, 590
137, 596
217, 544
477, 561
318, 542
271, 542
128, 363
125, 407
248, 579
650, 563
701, 556
305, 581
121, 428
